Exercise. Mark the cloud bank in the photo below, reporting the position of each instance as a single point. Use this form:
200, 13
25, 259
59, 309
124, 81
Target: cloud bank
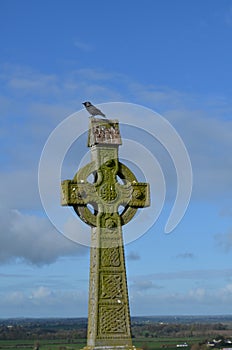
32, 239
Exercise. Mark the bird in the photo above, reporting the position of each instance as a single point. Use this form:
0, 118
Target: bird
92, 109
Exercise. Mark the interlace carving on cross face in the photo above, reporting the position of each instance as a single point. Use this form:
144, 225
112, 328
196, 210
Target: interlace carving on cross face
105, 194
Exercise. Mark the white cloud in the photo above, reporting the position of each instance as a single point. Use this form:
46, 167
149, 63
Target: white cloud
198, 301
197, 294
13, 298
41, 293
192, 292
32, 239
146, 300
227, 291
18, 80
44, 302
160, 96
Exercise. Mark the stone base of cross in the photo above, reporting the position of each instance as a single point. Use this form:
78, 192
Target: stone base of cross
105, 194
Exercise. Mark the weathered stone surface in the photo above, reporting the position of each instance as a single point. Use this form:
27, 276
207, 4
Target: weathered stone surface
113, 185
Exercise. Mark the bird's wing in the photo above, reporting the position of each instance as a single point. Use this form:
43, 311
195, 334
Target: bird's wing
100, 112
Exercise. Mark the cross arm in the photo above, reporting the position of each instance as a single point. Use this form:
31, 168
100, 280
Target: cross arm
74, 193
140, 196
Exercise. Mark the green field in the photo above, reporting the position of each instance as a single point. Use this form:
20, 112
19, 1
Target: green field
44, 345
144, 343
164, 343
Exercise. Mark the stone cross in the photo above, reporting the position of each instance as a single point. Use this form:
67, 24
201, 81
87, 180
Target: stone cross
105, 194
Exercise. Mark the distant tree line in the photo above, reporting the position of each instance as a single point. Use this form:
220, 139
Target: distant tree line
156, 330
75, 329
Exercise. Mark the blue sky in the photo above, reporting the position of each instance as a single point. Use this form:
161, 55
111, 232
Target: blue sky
171, 56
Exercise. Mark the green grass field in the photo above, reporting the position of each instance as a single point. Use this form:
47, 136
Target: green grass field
144, 343
44, 344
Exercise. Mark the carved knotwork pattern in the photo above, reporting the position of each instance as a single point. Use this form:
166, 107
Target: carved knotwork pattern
110, 257
108, 192
111, 286
112, 319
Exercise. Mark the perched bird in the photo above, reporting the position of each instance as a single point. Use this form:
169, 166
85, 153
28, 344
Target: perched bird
92, 109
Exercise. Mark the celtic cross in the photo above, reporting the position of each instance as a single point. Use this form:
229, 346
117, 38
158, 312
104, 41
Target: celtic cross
105, 194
